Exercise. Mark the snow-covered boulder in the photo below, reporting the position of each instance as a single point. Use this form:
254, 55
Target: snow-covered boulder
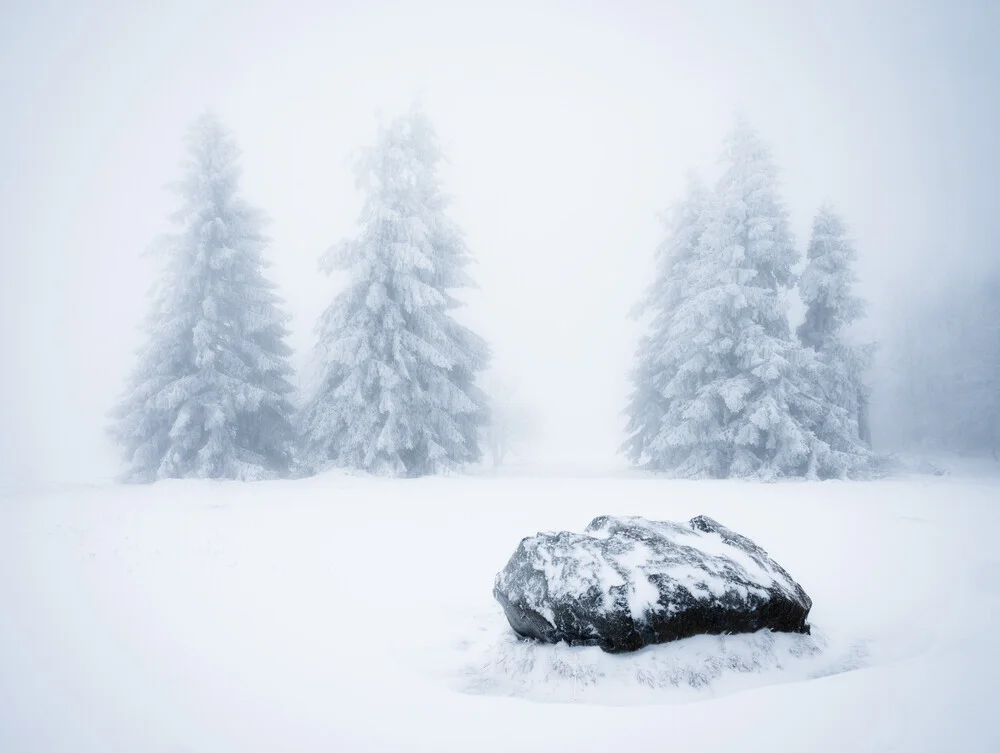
628, 582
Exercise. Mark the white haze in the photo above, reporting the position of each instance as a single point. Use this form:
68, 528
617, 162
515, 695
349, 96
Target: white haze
568, 126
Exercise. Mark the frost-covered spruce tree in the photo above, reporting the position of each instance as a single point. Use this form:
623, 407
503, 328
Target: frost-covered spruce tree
740, 403
826, 287
655, 359
209, 395
397, 393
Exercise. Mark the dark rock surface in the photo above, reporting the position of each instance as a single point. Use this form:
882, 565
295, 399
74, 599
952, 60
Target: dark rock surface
628, 582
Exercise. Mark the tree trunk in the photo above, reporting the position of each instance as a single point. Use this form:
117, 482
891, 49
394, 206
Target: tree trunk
864, 424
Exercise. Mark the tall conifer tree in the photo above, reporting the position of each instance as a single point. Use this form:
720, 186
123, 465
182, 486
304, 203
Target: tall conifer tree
656, 361
827, 289
209, 395
397, 394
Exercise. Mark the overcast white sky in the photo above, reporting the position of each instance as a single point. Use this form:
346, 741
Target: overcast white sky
569, 126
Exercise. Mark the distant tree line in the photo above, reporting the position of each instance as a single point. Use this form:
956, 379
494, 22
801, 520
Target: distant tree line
722, 386
939, 372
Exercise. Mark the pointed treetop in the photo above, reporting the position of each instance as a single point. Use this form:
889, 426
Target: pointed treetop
826, 285
743, 143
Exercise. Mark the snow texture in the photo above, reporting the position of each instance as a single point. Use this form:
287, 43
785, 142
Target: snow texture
628, 582
492, 660
209, 396
397, 394
345, 612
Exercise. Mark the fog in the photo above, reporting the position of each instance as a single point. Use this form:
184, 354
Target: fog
568, 127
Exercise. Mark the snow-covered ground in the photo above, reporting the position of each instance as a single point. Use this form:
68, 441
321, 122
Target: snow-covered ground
344, 613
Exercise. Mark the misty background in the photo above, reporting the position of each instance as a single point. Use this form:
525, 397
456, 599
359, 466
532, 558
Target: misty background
568, 126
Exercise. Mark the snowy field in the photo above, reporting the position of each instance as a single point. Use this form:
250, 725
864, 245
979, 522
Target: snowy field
345, 613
